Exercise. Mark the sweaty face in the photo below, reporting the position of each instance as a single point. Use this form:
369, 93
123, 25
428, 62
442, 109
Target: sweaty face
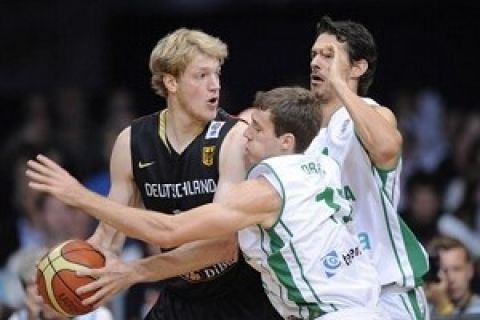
322, 64
198, 88
261, 140
458, 272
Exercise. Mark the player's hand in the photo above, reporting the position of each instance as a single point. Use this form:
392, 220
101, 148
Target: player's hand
110, 280
331, 69
47, 176
33, 302
36, 307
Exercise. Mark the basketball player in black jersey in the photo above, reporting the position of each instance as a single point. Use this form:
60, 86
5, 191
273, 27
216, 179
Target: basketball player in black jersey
187, 155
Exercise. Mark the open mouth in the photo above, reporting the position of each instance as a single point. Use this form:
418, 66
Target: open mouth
213, 100
316, 79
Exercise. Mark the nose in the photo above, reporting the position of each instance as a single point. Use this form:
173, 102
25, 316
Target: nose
247, 133
215, 82
314, 62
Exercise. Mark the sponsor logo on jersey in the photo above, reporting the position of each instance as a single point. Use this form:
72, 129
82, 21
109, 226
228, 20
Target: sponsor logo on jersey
208, 155
209, 273
332, 261
142, 165
214, 129
180, 190
364, 240
351, 254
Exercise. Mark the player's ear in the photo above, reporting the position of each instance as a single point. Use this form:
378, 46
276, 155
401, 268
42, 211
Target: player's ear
359, 68
288, 143
170, 82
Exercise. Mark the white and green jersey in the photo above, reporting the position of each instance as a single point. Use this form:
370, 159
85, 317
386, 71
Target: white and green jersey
399, 258
310, 261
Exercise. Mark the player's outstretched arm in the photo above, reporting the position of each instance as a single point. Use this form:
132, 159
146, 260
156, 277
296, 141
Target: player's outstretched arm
119, 275
204, 222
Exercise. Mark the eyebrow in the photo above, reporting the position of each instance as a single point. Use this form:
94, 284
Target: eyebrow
254, 122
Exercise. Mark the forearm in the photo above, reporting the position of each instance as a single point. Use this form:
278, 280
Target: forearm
136, 223
187, 258
107, 238
378, 134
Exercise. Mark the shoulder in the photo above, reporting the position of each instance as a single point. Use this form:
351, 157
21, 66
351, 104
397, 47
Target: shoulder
123, 138
383, 110
235, 135
387, 114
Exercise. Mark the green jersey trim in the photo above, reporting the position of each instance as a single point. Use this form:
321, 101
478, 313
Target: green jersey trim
412, 297
416, 256
390, 236
280, 268
282, 194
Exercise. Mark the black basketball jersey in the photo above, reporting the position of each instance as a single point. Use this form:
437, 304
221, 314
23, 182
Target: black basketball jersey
171, 183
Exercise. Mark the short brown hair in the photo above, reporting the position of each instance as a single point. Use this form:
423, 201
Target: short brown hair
293, 110
442, 243
176, 50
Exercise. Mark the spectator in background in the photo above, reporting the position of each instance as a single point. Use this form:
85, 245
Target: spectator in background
29, 223
423, 208
62, 222
76, 133
36, 126
451, 294
462, 220
119, 115
431, 144
461, 167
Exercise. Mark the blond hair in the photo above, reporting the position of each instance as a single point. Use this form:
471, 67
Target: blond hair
176, 50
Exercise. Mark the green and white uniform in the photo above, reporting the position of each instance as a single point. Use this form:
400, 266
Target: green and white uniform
399, 258
310, 261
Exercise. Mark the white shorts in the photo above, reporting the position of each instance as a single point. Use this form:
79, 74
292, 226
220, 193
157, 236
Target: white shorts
403, 304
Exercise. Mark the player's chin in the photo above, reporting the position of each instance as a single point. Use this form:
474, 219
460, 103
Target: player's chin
210, 113
250, 159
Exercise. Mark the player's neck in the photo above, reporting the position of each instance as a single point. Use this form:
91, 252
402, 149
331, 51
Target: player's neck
181, 128
328, 109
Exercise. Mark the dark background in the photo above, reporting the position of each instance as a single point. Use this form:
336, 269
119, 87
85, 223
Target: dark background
98, 45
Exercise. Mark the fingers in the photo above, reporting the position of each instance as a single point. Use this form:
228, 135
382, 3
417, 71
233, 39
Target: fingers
38, 177
46, 167
40, 187
92, 286
98, 297
50, 163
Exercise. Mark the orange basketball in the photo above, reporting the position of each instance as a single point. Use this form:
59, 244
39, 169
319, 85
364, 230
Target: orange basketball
56, 278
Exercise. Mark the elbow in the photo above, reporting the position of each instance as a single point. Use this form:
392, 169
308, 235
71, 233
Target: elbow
161, 232
389, 150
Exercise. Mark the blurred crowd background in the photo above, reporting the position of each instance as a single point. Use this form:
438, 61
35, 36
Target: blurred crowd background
75, 73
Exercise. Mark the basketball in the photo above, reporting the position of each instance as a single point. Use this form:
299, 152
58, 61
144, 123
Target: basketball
57, 279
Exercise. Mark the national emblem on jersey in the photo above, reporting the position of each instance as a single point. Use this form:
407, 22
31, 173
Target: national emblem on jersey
213, 131
207, 155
